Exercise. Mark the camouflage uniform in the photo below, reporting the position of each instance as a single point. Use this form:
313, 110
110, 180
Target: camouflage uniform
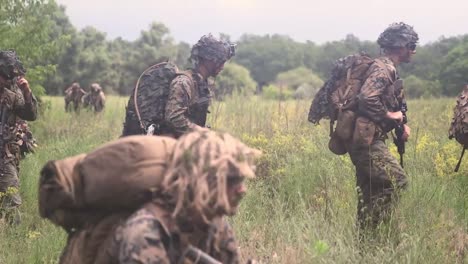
189, 99
379, 176
151, 236
95, 98
74, 94
190, 95
12, 105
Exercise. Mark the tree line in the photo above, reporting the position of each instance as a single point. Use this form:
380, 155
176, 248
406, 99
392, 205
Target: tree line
57, 54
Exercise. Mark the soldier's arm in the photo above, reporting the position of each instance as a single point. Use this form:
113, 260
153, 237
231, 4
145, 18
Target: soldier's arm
178, 104
370, 97
25, 106
229, 252
142, 242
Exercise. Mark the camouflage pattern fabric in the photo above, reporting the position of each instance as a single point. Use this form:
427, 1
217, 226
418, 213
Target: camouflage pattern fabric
459, 126
397, 35
10, 198
73, 94
151, 236
12, 106
25, 138
378, 94
379, 175
95, 98
212, 49
10, 65
173, 101
188, 103
152, 93
322, 104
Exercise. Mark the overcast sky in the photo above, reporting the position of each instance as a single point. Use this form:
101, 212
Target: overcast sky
315, 20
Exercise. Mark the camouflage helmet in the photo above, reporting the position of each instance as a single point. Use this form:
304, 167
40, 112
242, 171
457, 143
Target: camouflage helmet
10, 65
397, 35
210, 48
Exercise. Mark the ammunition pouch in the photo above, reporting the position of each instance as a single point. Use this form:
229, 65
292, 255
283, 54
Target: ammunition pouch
345, 124
364, 131
337, 145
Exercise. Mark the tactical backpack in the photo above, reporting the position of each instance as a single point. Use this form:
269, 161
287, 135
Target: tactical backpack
120, 175
146, 106
459, 126
337, 99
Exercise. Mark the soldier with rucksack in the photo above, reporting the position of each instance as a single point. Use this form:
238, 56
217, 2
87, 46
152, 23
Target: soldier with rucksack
171, 102
74, 95
459, 126
16, 101
153, 199
95, 98
365, 98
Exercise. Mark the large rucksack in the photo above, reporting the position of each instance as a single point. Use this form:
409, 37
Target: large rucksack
119, 176
337, 99
146, 106
459, 126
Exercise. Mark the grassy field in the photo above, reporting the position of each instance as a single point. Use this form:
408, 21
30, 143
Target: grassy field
301, 208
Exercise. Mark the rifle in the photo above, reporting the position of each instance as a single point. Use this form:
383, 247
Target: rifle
198, 256
399, 142
400, 129
461, 157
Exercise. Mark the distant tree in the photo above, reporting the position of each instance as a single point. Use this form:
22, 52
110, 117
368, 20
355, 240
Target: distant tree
234, 79
27, 26
454, 72
297, 77
183, 54
427, 63
302, 80
266, 56
331, 51
274, 92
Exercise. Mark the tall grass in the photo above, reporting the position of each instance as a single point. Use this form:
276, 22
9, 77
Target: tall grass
301, 208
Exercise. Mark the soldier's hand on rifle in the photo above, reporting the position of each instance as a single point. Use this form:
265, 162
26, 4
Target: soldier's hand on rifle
406, 132
396, 116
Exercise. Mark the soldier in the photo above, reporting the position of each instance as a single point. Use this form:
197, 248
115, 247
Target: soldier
20, 104
190, 96
380, 104
95, 98
203, 183
73, 94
